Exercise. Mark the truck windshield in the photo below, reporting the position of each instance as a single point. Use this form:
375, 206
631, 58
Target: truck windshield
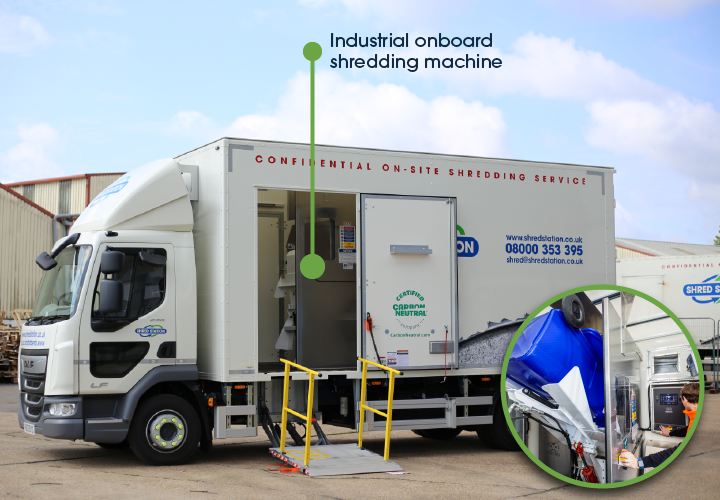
59, 290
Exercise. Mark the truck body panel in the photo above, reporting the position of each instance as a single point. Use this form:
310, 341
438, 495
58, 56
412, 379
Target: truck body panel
568, 202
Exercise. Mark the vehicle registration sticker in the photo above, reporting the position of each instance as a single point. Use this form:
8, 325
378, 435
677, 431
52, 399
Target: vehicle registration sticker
30, 428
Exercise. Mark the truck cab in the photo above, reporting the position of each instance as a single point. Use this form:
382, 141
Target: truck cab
103, 330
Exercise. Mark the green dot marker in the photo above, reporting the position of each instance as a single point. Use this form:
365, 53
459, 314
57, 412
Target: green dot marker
312, 266
157, 437
157, 427
180, 426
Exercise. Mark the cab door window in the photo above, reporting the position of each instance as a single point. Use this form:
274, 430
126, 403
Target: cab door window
143, 284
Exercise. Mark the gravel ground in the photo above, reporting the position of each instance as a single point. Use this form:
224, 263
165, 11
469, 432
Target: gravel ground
36, 467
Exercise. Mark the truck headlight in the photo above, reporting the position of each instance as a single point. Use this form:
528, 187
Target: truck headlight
62, 409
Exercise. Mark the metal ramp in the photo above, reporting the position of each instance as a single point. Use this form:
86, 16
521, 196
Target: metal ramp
335, 460
325, 459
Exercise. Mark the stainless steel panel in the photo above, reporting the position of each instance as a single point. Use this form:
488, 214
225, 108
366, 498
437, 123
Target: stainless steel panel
327, 307
554, 452
622, 378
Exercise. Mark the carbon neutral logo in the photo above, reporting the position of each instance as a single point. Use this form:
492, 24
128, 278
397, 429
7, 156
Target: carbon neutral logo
707, 292
410, 310
151, 331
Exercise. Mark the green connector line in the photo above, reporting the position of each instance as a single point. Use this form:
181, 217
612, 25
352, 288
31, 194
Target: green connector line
312, 266
312, 156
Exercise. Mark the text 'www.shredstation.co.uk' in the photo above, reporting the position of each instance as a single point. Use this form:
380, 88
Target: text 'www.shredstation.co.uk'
543, 249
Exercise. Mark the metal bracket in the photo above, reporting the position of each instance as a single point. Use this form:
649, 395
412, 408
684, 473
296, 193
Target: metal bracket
449, 421
222, 429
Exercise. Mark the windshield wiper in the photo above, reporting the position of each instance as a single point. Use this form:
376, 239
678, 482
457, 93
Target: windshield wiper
46, 320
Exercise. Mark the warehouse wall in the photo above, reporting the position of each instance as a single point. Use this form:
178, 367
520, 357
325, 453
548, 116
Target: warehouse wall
99, 182
25, 232
77, 195
52, 194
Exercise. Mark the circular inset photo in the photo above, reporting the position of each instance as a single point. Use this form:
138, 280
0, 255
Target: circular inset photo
603, 386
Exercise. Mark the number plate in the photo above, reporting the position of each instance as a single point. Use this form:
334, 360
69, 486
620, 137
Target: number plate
30, 428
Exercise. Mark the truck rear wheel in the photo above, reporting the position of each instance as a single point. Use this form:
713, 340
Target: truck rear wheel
165, 431
498, 434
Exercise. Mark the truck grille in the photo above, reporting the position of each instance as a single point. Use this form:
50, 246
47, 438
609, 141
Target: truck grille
32, 383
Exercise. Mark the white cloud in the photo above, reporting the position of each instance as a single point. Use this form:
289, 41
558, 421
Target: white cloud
538, 65
676, 133
551, 67
29, 159
382, 116
193, 124
658, 8
20, 35
627, 225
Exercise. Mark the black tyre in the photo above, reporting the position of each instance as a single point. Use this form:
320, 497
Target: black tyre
122, 445
441, 434
573, 311
165, 431
497, 434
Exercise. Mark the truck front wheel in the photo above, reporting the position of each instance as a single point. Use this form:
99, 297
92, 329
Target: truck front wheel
165, 430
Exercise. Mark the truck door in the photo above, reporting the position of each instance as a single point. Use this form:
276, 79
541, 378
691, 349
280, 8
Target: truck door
117, 350
409, 286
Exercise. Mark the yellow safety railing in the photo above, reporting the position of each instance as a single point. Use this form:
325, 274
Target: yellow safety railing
286, 410
363, 406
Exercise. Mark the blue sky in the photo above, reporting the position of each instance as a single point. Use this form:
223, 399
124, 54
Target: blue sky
90, 86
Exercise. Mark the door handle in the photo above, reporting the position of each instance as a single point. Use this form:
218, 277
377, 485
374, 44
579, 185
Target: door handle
416, 249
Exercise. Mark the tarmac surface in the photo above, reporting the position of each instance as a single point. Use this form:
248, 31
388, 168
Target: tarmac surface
37, 467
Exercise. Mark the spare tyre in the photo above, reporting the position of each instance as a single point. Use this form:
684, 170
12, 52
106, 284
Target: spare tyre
573, 311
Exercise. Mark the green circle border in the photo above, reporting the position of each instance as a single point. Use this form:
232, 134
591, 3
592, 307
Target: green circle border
511, 425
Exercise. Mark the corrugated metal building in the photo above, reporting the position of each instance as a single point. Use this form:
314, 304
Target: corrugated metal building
626, 248
64, 195
25, 232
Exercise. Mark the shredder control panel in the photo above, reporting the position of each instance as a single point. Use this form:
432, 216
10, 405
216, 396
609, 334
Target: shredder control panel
668, 407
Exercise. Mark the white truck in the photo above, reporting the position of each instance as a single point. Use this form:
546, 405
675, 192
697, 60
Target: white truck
161, 321
690, 287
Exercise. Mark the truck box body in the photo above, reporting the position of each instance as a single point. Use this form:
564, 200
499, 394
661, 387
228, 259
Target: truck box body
688, 286
520, 228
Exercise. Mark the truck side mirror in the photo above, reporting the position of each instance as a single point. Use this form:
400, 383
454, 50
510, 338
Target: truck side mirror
111, 262
45, 261
111, 295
